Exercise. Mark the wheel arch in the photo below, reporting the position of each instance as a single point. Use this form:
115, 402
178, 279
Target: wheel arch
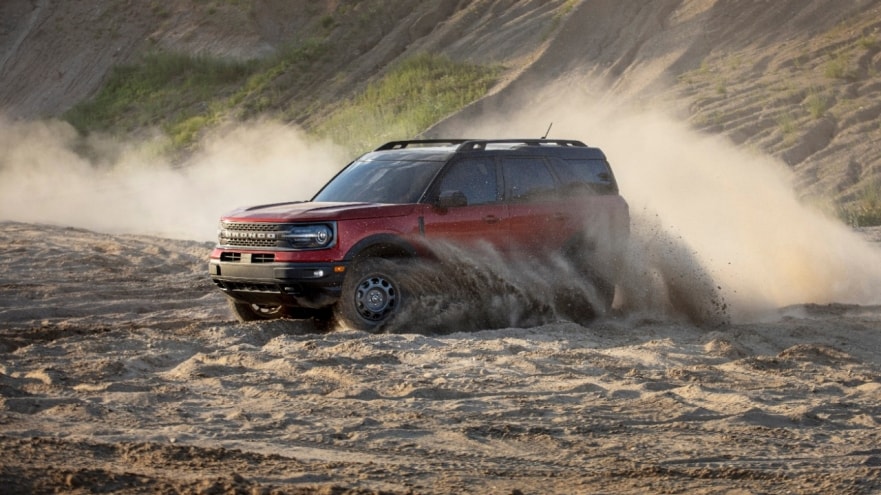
381, 246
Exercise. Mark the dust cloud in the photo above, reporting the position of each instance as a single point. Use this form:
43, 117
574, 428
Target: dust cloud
49, 174
703, 207
714, 226
478, 287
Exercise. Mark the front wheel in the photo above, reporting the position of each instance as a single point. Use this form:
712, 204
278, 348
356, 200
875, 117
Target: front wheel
246, 312
373, 294
255, 312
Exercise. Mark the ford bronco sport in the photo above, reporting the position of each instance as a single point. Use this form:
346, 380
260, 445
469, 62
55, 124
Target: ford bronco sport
336, 256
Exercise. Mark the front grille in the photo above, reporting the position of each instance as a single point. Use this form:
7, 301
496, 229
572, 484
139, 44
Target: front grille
259, 235
263, 258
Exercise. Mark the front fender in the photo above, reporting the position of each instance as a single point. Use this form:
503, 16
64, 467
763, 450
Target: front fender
381, 246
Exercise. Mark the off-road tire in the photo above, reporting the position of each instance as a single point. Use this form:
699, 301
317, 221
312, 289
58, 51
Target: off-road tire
245, 312
373, 294
571, 301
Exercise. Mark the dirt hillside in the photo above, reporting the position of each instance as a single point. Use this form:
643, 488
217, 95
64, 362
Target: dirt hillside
799, 80
54, 53
796, 79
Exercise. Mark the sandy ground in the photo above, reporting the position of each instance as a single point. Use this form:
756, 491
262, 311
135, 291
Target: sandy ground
121, 371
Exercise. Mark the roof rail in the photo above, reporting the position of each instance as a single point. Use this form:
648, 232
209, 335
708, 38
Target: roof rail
396, 145
480, 144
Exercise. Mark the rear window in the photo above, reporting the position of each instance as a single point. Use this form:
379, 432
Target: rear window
579, 175
527, 179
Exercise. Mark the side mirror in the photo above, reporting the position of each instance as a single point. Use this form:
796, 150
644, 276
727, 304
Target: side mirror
451, 199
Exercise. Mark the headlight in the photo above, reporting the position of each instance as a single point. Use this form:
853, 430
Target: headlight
311, 236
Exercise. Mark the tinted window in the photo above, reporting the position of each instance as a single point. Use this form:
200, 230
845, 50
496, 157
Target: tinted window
380, 181
585, 175
473, 177
527, 179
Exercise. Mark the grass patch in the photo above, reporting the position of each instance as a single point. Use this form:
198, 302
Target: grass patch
269, 86
839, 67
868, 42
816, 104
165, 90
866, 210
183, 94
787, 124
417, 93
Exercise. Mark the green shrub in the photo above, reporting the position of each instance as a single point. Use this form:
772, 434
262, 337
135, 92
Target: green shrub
868, 42
839, 67
185, 132
787, 123
866, 211
817, 104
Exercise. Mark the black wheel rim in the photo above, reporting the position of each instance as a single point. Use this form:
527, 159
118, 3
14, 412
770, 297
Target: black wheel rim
375, 298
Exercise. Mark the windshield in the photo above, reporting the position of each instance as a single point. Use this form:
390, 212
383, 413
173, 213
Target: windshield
380, 181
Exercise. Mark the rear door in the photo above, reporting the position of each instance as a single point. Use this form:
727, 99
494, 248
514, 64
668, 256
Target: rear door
538, 220
600, 214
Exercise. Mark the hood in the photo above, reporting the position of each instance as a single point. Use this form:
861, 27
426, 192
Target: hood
305, 211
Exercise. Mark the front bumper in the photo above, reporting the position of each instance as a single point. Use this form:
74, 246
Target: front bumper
306, 285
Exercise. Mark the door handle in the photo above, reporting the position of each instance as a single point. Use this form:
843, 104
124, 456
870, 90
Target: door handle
491, 219
560, 216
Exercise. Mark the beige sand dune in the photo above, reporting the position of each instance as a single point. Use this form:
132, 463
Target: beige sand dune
121, 371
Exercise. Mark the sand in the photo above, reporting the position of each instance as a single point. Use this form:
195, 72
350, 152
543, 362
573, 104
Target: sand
121, 370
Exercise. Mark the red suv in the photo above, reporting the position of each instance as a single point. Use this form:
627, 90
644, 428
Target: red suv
341, 255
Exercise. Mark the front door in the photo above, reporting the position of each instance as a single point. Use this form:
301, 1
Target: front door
483, 216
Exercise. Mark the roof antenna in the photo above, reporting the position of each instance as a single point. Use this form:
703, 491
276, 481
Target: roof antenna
548, 131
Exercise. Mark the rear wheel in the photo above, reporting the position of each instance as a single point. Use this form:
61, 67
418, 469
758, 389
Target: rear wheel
597, 292
373, 294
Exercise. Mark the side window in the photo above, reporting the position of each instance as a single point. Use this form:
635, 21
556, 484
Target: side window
527, 179
590, 175
475, 178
